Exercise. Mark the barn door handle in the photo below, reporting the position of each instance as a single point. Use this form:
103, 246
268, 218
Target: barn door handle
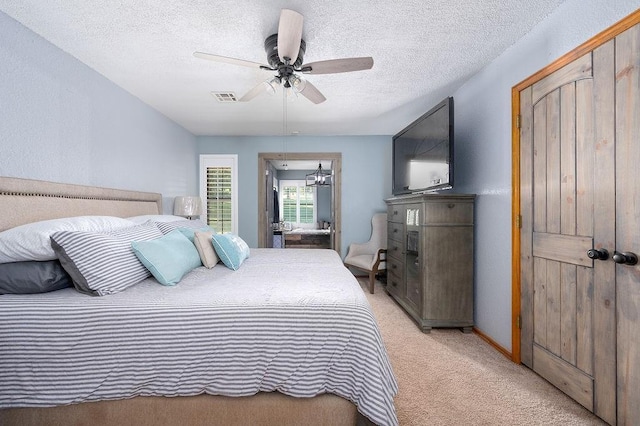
595, 254
626, 258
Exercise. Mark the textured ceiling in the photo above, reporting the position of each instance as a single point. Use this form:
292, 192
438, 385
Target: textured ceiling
422, 49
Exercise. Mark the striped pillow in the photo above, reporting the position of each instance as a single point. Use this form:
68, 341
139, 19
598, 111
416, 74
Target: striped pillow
103, 263
167, 227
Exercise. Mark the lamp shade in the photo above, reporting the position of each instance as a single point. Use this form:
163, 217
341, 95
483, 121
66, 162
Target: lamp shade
187, 206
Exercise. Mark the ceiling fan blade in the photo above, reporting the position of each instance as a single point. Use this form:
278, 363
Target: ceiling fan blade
310, 92
257, 90
289, 34
233, 61
334, 66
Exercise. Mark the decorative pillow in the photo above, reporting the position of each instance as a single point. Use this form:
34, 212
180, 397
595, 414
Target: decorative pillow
168, 258
231, 249
167, 227
103, 263
204, 244
139, 220
31, 241
33, 277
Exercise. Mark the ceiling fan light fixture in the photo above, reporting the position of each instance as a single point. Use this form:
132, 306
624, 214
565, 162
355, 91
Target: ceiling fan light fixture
270, 85
291, 94
298, 83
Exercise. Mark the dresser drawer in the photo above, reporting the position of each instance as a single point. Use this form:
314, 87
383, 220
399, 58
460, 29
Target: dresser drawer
395, 213
394, 249
395, 231
448, 212
395, 268
395, 276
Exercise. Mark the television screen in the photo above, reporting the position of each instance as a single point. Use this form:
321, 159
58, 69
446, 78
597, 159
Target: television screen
423, 152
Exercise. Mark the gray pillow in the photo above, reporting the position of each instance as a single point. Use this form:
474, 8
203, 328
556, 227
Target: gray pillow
31, 277
103, 263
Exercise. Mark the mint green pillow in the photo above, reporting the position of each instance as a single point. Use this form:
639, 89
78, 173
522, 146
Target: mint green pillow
190, 232
231, 249
169, 257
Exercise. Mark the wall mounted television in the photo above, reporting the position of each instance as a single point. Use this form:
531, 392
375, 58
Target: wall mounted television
423, 152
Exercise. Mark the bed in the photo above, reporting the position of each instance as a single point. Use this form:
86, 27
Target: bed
288, 338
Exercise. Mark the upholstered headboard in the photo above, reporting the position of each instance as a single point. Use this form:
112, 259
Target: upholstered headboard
26, 200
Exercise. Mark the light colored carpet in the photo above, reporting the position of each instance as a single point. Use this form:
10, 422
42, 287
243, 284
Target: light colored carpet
451, 378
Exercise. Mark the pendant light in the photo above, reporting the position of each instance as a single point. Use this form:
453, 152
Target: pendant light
318, 178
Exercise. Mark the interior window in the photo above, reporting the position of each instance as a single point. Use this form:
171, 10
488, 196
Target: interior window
298, 203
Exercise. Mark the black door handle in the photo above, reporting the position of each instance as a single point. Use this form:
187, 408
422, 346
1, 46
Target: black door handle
626, 258
598, 254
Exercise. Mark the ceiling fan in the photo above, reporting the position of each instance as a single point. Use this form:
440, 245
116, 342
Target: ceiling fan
285, 52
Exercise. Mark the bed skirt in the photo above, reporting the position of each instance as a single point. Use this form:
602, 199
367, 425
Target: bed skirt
262, 409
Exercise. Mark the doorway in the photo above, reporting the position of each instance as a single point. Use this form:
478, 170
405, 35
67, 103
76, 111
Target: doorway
265, 181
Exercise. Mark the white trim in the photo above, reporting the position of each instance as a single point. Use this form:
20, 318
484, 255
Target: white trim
222, 160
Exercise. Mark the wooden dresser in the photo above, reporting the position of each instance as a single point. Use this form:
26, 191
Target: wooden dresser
430, 258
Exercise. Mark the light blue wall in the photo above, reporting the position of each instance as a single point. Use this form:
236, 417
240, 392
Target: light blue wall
62, 121
366, 176
483, 145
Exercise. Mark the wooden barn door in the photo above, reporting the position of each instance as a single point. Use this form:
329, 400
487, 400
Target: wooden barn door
580, 208
627, 93
568, 334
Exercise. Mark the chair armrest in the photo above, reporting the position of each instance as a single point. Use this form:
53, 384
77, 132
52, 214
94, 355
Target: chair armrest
381, 256
356, 249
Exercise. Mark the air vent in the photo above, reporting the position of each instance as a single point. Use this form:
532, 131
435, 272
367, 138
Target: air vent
225, 96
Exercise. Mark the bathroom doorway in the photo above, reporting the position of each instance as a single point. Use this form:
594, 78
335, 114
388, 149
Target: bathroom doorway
268, 166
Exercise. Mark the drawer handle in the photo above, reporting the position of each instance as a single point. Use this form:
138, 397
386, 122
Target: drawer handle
395, 231
394, 284
451, 205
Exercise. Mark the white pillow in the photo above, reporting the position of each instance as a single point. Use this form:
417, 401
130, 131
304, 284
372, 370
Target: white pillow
204, 244
139, 220
32, 242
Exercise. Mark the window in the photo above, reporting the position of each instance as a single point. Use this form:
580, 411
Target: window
219, 190
298, 203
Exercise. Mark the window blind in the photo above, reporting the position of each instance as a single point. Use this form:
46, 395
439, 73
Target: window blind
219, 203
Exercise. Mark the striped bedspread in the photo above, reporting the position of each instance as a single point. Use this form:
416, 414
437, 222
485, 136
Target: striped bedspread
293, 321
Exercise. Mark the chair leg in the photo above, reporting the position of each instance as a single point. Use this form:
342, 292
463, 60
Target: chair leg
372, 280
